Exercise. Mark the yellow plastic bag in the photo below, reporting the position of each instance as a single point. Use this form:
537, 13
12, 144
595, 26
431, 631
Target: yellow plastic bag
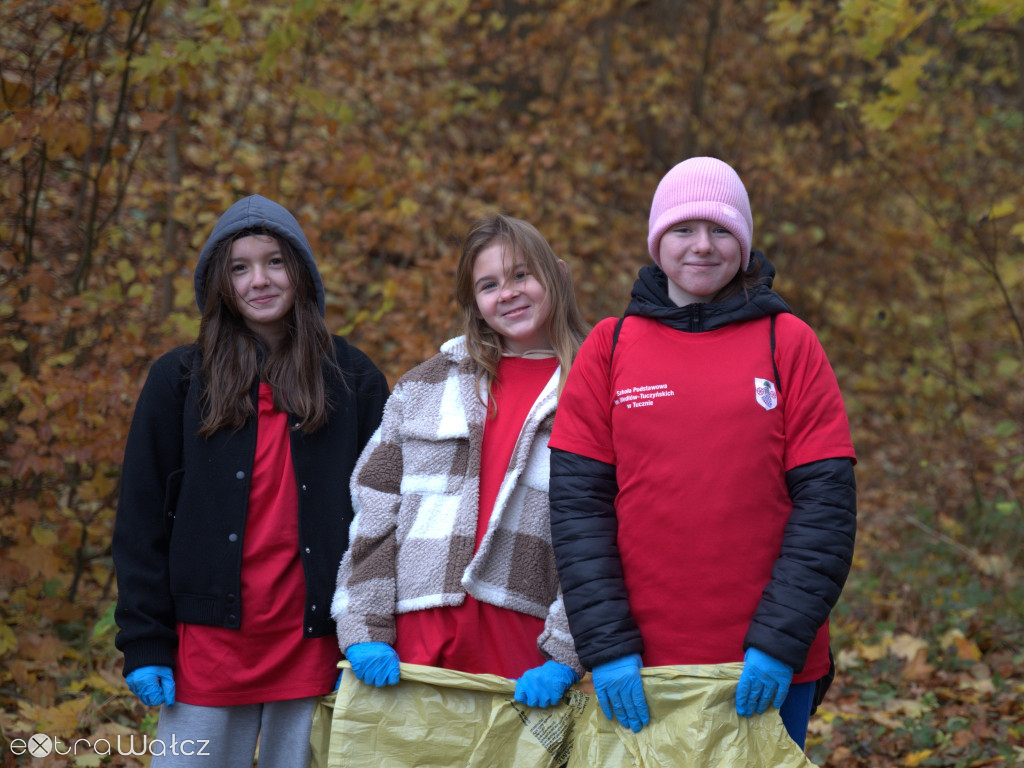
320, 735
693, 723
436, 718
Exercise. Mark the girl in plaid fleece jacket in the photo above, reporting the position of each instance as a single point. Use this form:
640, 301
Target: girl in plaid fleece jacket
450, 561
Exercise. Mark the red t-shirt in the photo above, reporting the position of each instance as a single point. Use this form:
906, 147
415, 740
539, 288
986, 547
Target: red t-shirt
479, 637
267, 658
701, 442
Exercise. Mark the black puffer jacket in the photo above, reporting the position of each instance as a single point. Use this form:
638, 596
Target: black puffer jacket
816, 552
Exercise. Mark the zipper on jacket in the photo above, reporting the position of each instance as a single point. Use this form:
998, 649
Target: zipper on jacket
696, 318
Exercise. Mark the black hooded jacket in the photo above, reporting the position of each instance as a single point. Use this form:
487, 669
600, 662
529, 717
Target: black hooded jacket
181, 516
818, 542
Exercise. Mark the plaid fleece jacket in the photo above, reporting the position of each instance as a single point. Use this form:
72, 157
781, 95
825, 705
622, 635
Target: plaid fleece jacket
415, 490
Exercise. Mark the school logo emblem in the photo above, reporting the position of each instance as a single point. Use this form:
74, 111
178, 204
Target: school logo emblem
765, 394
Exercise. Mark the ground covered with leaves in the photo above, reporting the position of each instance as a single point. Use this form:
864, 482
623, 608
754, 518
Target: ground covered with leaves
930, 641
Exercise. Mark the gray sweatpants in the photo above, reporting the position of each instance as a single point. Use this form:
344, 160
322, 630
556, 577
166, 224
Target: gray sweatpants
226, 737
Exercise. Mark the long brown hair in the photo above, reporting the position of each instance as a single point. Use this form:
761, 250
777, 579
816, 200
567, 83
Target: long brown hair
234, 357
565, 325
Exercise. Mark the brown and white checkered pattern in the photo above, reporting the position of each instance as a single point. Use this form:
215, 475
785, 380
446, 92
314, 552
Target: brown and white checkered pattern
416, 491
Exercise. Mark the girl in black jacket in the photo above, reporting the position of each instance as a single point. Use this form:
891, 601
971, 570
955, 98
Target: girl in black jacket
234, 506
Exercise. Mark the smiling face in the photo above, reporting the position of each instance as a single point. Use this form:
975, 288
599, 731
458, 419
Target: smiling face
699, 257
264, 292
510, 300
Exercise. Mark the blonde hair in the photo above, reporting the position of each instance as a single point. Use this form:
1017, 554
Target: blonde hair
565, 325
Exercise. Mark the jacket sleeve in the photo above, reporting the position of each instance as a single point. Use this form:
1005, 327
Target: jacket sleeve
366, 592
584, 532
556, 640
150, 475
817, 550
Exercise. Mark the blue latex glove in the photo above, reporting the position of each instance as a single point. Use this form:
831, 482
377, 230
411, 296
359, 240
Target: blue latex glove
337, 683
153, 685
765, 680
620, 690
374, 663
545, 685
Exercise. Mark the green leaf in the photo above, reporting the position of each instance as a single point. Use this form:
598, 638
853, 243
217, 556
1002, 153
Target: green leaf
105, 625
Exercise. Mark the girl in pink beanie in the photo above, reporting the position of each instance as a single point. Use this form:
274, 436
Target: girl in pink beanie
703, 503
702, 188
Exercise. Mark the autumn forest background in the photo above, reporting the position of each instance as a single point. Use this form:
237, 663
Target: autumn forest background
882, 145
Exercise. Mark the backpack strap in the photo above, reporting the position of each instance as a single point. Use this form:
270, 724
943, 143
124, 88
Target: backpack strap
775, 368
615, 340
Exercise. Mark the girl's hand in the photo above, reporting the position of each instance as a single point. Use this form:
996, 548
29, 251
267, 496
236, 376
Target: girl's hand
765, 680
153, 685
620, 691
374, 663
545, 685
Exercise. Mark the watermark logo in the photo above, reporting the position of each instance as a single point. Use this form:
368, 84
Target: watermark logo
42, 745
39, 745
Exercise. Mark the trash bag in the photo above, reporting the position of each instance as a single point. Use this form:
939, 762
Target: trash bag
320, 735
437, 718
693, 723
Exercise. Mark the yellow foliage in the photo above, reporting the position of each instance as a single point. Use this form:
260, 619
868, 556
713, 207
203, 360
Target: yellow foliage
8, 640
872, 652
95, 682
998, 565
916, 758
978, 680
90, 14
913, 708
905, 77
99, 486
63, 718
1004, 207
45, 537
125, 270
965, 649
787, 19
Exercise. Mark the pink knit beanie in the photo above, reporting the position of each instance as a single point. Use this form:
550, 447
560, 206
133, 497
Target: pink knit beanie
701, 188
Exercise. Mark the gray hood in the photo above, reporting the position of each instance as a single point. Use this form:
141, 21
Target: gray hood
256, 212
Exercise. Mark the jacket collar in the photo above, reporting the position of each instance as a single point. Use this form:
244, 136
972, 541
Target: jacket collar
649, 298
457, 351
